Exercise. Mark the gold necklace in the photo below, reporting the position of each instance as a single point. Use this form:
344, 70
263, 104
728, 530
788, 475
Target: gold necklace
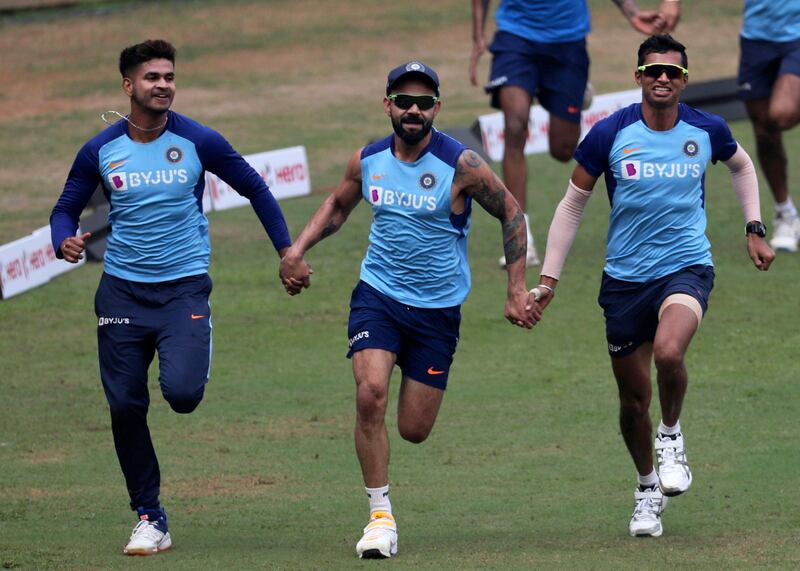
131, 123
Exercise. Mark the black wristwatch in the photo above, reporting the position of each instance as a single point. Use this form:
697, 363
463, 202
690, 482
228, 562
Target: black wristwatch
755, 227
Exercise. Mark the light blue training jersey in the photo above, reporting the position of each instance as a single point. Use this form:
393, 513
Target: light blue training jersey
656, 186
417, 252
771, 20
546, 21
158, 229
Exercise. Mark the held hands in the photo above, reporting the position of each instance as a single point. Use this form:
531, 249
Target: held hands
72, 248
295, 273
649, 22
521, 309
760, 252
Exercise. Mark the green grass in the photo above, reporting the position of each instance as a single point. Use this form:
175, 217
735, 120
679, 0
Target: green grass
525, 468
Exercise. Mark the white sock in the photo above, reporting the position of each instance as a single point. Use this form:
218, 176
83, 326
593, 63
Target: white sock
649, 480
669, 430
528, 229
786, 209
379, 499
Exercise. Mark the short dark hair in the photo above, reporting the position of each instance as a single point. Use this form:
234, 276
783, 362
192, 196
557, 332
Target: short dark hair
132, 56
660, 45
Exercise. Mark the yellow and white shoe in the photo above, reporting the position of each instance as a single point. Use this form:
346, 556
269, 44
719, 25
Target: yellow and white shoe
380, 537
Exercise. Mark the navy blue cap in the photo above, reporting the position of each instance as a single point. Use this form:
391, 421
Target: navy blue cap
413, 67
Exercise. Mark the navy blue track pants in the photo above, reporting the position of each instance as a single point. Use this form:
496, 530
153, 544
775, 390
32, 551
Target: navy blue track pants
134, 320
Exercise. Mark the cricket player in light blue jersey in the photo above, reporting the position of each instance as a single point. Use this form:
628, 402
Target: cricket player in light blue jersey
539, 50
153, 296
769, 85
405, 310
659, 270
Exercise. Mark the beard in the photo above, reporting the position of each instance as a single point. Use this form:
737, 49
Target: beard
408, 137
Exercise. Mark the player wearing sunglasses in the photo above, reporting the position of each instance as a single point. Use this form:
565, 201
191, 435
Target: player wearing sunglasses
539, 51
659, 270
405, 310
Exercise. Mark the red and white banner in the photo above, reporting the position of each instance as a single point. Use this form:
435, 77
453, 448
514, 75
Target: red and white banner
539, 123
30, 262
285, 171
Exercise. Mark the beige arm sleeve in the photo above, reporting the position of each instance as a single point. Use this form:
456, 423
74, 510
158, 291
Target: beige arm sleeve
563, 229
745, 183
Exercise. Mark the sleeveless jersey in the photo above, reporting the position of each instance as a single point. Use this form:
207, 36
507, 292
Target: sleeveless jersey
417, 253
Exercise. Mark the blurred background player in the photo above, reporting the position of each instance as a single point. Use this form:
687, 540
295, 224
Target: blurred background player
539, 50
406, 308
154, 292
659, 271
769, 84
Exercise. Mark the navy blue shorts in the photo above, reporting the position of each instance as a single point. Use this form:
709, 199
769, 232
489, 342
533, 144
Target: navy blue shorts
762, 62
556, 74
631, 308
135, 319
423, 339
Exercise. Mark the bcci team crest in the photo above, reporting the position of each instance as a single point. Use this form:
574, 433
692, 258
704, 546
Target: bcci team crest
690, 148
415, 66
427, 181
174, 155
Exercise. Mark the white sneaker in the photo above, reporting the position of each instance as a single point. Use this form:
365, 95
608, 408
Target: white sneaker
380, 537
648, 506
147, 539
786, 234
531, 258
674, 474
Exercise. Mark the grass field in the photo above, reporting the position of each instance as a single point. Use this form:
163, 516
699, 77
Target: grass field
525, 468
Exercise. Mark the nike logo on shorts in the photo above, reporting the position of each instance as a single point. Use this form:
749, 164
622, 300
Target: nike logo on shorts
432, 371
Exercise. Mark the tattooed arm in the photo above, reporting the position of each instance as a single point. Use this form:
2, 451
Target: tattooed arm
329, 217
475, 179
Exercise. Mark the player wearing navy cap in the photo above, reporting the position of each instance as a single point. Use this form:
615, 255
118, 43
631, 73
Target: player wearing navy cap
153, 296
659, 271
539, 51
405, 309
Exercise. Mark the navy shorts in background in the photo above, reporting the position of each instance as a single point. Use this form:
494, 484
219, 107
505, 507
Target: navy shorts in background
631, 308
761, 63
423, 339
555, 74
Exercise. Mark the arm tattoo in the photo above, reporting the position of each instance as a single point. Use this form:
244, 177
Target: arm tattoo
472, 159
492, 200
514, 239
466, 165
627, 7
328, 230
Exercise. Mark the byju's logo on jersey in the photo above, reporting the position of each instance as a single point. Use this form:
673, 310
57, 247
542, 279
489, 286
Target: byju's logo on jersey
387, 197
118, 181
631, 170
376, 195
635, 170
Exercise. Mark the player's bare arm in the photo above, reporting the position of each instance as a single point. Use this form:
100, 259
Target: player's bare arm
474, 178
479, 10
329, 217
648, 22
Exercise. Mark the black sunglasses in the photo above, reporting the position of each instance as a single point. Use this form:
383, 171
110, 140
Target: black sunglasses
408, 100
655, 70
